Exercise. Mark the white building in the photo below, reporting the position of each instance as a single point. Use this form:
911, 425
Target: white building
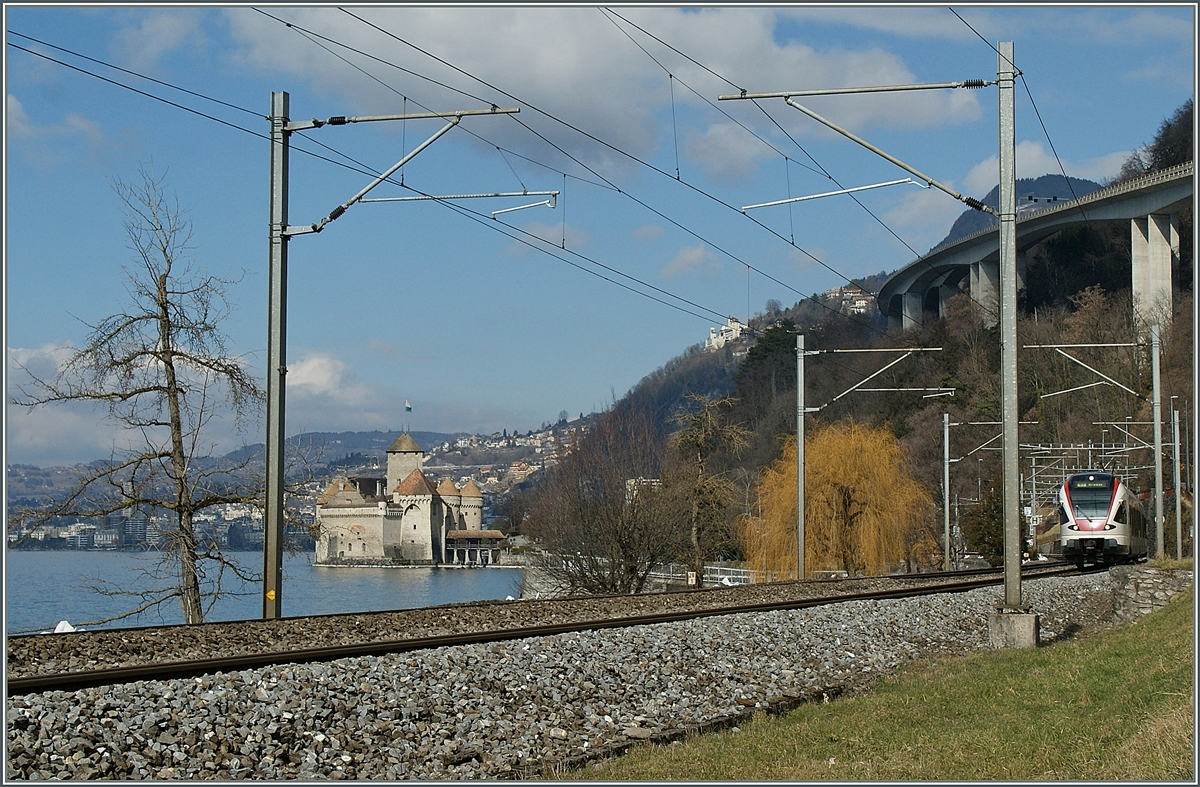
729, 332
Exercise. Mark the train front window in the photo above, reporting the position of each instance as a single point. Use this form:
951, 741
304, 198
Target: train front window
1090, 499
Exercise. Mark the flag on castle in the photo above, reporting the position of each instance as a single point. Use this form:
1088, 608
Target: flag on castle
407, 406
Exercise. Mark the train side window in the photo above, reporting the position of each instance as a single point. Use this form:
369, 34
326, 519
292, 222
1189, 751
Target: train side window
1062, 515
1122, 516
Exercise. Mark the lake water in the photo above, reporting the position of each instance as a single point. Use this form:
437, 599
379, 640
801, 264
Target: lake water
45, 587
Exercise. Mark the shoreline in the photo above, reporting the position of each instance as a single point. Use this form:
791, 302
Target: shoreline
451, 567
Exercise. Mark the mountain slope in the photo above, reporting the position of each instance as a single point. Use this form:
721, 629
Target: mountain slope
1043, 190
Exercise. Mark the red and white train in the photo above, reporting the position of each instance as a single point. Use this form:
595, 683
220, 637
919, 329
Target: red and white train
1100, 520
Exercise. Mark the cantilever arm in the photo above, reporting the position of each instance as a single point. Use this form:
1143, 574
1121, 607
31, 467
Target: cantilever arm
970, 202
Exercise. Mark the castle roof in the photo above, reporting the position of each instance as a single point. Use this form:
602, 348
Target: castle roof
471, 489
342, 493
466, 534
415, 485
404, 444
447, 488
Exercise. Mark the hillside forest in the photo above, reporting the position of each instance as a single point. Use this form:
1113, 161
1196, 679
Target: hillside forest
722, 477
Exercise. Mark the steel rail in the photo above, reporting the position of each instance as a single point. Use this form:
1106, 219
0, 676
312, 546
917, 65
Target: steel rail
458, 605
74, 681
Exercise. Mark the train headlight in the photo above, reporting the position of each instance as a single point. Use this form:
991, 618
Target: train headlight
1110, 527
1072, 527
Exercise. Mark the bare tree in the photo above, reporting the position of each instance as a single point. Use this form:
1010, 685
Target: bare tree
709, 495
163, 372
603, 517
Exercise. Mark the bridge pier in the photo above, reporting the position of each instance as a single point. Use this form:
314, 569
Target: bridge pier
985, 286
985, 289
1155, 248
911, 306
945, 293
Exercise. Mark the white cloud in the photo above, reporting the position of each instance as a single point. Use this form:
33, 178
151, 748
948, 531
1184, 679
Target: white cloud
724, 151
321, 375
43, 361
923, 217
59, 434
911, 22
577, 68
649, 232
35, 139
1099, 25
1034, 160
19, 125
16, 122
1123, 26
48, 436
159, 32
1100, 168
692, 261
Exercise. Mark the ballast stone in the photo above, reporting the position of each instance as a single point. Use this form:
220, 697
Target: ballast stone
502, 716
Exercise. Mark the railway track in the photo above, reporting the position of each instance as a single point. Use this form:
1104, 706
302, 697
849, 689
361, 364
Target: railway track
726, 603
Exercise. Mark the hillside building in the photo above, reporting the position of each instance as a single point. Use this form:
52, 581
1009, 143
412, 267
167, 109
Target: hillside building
731, 331
403, 519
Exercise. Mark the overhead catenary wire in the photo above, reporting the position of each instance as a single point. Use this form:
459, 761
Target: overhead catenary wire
361, 168
177, 105
632, 157
1038, 114
501, 228
818, 169
822, 171
594, 138
564, 240
136, 74
606, 183
880, 221
317, 39
696, 93
802, 295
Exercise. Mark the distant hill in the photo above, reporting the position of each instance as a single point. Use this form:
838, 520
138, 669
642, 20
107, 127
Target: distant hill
1042, 189
333, 446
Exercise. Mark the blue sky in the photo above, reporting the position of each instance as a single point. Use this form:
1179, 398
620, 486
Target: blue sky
412, 300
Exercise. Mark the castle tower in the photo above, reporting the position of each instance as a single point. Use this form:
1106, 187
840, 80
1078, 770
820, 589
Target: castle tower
403, 456
471, 509
410, 526
453, 501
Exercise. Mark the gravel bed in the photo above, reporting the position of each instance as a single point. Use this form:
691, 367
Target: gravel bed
511, 709
104, 648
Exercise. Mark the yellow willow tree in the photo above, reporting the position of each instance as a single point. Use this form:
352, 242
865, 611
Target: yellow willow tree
862, 507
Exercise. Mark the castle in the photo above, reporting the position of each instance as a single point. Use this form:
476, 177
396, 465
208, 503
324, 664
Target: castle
403, 519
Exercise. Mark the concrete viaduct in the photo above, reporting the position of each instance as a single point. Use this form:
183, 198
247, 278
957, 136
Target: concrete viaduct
972, 263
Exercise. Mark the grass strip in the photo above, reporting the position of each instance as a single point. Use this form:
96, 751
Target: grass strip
1111, 705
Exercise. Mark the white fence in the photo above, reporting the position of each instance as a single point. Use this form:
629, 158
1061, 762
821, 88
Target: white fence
713, 575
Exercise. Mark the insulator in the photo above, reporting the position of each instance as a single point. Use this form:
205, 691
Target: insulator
974, 203
972, 84
340, 120
339, 210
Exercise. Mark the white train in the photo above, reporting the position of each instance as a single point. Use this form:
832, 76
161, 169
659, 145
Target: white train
1100, 520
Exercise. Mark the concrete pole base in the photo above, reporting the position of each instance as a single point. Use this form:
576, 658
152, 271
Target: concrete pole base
1013, 629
